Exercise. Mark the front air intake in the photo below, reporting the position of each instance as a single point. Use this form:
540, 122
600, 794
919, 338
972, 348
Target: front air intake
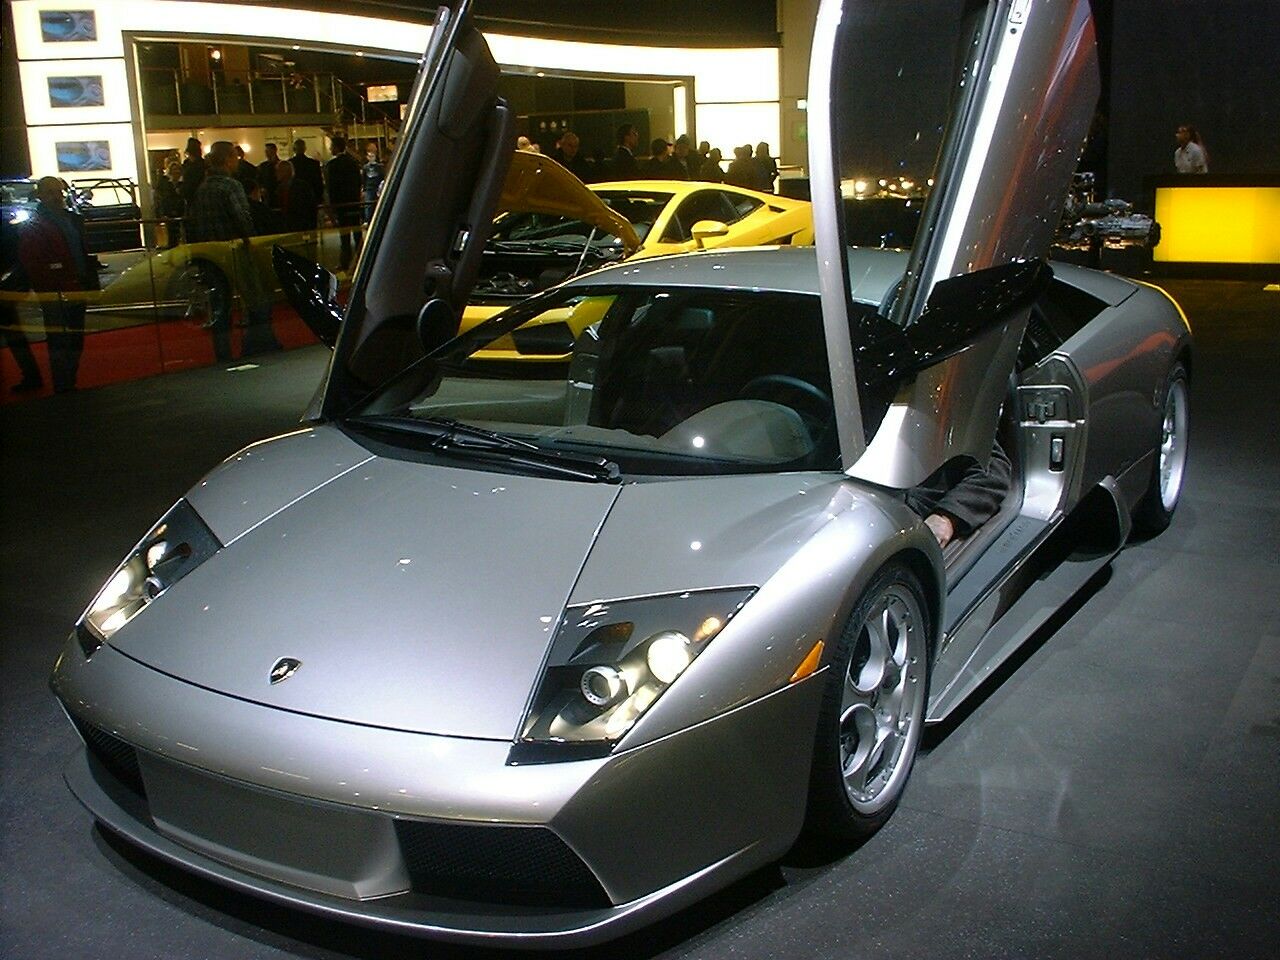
499, 864
117, 757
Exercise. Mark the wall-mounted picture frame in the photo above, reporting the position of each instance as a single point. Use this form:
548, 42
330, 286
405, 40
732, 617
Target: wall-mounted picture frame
68, 26
83, 91
78, 156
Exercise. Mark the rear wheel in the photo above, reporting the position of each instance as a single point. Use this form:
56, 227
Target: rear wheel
1155, 510
873, 710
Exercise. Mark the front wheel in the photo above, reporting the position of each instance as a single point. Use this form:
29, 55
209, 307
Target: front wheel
873, 710
202, 293
1155, 511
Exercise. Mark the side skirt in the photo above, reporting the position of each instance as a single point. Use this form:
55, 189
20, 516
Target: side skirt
1028, 594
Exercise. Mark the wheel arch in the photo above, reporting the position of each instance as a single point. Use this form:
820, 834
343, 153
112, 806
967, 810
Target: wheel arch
919, 564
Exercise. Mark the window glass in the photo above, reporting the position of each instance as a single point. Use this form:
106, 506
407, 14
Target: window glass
898, 70
703, 205
742, 205
641, 209
661, 381
522, 227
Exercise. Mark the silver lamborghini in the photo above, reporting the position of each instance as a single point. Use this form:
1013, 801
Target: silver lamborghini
536, 633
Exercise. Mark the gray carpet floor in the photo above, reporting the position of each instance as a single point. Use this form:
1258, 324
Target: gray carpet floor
1115, 792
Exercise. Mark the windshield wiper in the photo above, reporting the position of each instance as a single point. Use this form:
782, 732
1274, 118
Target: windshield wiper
450, 437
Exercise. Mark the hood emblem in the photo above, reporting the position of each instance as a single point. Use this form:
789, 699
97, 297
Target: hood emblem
285, 668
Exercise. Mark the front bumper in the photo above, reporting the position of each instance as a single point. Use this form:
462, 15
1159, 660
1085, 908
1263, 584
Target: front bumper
221, 780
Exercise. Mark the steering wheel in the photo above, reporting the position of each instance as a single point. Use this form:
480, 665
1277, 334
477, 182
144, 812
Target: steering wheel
770, 384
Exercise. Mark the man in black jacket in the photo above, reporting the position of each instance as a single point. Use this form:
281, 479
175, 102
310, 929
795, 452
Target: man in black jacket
345, 181
307, 169
267, 174
963, 495
193, 169
625, 166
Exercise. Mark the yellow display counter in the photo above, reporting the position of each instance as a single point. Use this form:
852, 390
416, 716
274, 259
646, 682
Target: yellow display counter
1207, 219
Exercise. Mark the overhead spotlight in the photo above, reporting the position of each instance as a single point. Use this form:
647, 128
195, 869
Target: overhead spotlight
215, 54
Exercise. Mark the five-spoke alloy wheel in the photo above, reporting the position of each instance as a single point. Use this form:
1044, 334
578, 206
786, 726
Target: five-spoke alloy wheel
873, 709
1154, 513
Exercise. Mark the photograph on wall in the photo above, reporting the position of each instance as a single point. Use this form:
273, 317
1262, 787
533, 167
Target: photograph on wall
77, 156
64, 26
76, 92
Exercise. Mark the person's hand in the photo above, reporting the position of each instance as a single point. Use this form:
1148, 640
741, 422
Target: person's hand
941, 527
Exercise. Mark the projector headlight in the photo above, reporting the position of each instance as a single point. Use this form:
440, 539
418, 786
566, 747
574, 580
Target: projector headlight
176, 545
610, 662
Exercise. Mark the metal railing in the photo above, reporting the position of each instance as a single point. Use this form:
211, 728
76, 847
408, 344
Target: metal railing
164, 92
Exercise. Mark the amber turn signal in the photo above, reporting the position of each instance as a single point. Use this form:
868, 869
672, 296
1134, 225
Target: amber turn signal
809, 664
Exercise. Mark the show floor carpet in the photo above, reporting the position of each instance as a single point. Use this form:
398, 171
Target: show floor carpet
1117, 794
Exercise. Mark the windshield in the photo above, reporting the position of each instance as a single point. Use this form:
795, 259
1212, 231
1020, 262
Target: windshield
539, 229
640, 209
669, 382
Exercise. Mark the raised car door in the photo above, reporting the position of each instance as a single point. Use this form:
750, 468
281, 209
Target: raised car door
987, 103
424, 244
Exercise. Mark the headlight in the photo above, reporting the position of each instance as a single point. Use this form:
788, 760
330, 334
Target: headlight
610, 662
176, 545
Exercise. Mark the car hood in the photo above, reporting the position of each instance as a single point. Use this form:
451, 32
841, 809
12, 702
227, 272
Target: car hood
415, 597
537, 184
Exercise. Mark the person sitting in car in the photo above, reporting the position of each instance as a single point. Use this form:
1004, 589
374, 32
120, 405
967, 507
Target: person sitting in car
963, 495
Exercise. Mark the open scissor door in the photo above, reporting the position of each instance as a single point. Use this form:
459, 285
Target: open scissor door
983, 106
425, 241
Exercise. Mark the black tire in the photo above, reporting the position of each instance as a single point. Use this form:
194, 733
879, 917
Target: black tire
833, 812
1155, 510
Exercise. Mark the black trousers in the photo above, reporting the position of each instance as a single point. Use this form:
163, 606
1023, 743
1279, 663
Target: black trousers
64, 333
16, 339
348, 218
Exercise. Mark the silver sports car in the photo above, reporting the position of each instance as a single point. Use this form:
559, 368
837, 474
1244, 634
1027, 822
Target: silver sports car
535, 634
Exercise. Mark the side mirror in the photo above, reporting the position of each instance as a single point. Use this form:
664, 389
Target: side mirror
312, 291
705, 230
437, 324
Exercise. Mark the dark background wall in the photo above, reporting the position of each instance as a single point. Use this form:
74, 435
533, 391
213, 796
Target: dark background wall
1214, 64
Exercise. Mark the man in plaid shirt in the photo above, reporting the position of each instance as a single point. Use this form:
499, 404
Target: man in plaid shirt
219, 211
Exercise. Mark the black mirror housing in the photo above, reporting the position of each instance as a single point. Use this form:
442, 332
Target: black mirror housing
312, 291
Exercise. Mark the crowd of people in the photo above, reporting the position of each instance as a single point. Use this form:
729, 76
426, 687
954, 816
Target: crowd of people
753, 168
282, 195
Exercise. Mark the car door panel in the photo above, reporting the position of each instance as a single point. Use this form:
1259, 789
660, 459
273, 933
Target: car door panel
445, 182
1021, 99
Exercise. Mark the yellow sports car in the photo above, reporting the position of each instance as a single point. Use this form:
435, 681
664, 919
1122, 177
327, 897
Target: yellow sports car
554, 227
184, 281
551, 226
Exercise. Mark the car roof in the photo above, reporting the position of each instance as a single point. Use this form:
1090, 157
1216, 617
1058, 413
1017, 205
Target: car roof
873, 273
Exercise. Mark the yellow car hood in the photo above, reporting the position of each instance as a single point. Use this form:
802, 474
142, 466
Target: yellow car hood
537, 184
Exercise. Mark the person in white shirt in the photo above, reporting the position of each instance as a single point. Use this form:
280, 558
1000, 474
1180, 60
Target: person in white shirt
1190, 157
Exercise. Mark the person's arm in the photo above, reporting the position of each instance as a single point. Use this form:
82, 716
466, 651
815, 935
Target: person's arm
974, 499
